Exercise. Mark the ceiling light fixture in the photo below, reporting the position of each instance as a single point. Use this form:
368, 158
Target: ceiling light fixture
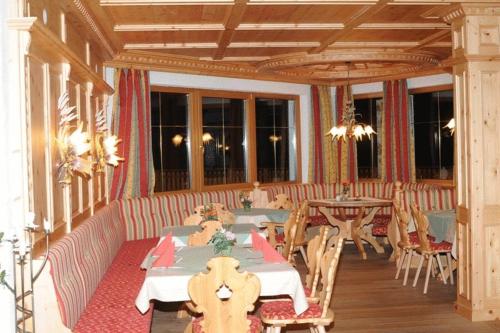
348, 127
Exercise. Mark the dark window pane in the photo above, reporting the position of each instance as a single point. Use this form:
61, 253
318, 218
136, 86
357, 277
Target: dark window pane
170, 135
224, 152
433, 143
275, 133
366, 113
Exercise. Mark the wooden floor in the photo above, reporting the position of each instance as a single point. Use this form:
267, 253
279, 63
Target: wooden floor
367, 299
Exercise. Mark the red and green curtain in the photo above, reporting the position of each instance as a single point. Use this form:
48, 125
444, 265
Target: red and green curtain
322, 155
330, 161
131, 122
395, 135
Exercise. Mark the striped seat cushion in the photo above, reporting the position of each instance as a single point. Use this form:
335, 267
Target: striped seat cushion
112, 306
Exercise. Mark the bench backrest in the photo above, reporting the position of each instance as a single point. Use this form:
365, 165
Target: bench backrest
146, 217
81, 258
433, 199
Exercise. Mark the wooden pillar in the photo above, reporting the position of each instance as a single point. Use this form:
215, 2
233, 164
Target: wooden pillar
476, 78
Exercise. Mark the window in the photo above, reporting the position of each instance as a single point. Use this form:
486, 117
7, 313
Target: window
223, 141
275, 133
366, 112
433, 143
202, 138
170, 130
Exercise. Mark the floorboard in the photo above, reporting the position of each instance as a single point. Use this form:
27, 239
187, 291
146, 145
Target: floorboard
367, 299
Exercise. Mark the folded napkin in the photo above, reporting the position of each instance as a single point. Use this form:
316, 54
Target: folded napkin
164, 244
166, 259
257, 240
270, 254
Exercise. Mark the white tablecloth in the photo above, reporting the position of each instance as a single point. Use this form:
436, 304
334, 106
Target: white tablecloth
171, 284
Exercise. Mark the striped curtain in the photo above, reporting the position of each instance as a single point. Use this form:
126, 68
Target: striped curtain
347, 162
132, 123
395, 133
322, 155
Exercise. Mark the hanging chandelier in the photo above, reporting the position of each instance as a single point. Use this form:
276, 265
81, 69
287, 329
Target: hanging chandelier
348, 126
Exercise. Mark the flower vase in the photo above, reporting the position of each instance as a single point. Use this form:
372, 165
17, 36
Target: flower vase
226, 252
247, 207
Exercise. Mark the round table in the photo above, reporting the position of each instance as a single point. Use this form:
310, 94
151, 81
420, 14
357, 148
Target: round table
353, 229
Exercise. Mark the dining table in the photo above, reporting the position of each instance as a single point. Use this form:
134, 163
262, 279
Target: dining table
180, 234
170, 284
258, 215
353, 229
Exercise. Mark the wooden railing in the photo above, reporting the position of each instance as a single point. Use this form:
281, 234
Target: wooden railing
175, 180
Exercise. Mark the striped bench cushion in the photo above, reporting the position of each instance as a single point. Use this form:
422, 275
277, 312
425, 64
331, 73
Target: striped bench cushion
112, 307
81, 258
433, 199
146, 217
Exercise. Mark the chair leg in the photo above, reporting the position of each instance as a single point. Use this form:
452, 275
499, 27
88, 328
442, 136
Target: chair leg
450, 269
268, 329
312, 329
428, 273
321, 329
408, 264
440, 265
400, 264
277, 329
304, 254
433, 267
420, 263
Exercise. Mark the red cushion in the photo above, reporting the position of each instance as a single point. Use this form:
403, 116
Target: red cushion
379, 230
280, 238
255, 324
414, 238
284, 310
112, 306
443, 246
318, 220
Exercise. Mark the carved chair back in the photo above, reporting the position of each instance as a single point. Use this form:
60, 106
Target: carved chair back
200, 238
315, 250
224, 313
422, 224
281, 201
402, 218
329, 265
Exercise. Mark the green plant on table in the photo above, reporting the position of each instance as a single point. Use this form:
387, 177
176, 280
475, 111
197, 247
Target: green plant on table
223, 241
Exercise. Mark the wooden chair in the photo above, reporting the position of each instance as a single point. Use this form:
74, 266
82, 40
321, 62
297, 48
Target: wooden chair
281, 313
281, 201
407, 243
302, 220
276, 239
224, 313
429, 249
200, 238
315, 250
193, 219
222, 213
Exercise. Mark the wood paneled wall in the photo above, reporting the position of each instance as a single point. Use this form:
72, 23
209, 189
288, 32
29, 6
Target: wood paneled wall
476, 53
59, 56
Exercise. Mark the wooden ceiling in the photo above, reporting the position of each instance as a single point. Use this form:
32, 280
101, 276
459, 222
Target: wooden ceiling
286, 40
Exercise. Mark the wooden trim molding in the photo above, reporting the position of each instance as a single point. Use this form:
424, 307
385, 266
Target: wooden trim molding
48, 42
422, 90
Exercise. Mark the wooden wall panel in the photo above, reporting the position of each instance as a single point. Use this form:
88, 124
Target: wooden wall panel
50, 10
55, 78
76, 42
38, 91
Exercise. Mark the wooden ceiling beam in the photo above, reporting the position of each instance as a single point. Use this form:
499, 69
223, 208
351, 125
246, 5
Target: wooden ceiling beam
429, 40
357, 19
232, 20
275, 26
167, 27
160, 46
163, 2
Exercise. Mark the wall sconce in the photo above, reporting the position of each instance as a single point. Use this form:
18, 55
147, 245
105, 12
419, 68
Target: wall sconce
71, 145
451, 126
177, 140
106, 145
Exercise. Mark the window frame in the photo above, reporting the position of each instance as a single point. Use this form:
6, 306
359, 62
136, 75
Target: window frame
432, 89
195, 114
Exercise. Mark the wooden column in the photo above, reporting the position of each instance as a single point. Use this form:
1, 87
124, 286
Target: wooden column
476, 78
